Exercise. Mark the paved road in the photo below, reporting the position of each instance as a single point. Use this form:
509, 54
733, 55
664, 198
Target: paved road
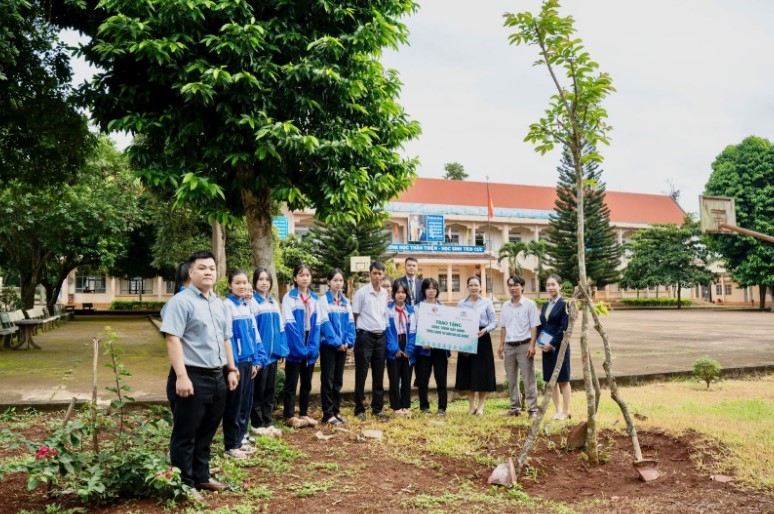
644, 343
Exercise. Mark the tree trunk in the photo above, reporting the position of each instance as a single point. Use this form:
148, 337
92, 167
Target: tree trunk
257, 206
588, 384
591, 433
762, 293
218, 249
534, 429
679, 297
608, 365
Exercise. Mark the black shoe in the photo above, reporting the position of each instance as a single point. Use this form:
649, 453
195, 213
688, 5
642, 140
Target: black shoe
441, 412
381, 416
426, 411
361, 416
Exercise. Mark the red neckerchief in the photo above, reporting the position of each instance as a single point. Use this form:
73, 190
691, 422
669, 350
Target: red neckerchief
307, 307
401, 315
337, 300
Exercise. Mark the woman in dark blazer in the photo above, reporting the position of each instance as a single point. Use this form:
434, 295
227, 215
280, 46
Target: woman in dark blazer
553, 320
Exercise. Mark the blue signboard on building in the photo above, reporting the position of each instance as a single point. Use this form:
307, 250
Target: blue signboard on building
422, 248
425, 228
281, 222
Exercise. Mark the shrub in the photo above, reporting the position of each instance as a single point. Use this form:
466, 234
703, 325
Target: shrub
654, 302
10, 300
130, 462
131, 305
707, 369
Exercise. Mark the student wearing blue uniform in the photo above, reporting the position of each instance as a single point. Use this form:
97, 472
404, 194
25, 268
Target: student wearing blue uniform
431, 360
333, 347
401, 336
303, 321
271, 328
249, 357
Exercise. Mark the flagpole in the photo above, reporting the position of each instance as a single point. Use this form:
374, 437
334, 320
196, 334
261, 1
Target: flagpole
489, 214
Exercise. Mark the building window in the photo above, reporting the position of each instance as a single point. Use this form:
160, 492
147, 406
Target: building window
443, 283
132, 286
170, 287
452, 238
514, 237
89, 284
723, 289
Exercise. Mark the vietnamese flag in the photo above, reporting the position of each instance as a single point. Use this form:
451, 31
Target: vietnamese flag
489, 203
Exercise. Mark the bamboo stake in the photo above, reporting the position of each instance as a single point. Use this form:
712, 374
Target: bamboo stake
94, 440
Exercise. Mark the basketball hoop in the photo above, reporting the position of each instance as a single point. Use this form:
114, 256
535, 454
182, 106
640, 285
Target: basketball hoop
717, 213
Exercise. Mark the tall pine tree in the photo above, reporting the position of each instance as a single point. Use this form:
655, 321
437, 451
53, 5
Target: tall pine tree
603, 254
333, 245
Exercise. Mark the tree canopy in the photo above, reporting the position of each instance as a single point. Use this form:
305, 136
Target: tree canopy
602, 252
241, 102
43, 136
745, 172
454, 171
49, 231
668, 255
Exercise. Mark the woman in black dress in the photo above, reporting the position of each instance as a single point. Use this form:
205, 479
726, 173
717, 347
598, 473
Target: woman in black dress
476, 372
553, 319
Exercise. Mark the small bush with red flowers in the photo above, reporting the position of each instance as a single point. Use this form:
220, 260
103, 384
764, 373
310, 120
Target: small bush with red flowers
102, 455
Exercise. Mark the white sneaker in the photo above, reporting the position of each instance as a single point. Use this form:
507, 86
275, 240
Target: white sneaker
236, 454
295, 422
248, 440
274, 432
246, 448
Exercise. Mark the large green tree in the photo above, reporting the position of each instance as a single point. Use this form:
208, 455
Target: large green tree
43, 136
669, 255
602, 252
49, 231
241, 102
746, 173
511, 252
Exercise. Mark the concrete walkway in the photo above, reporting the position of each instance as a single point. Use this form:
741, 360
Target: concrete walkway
647, 344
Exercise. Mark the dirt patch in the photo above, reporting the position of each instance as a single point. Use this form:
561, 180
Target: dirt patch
351, 474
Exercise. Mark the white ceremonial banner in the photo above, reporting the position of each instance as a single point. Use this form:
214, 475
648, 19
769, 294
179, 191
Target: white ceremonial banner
447, 328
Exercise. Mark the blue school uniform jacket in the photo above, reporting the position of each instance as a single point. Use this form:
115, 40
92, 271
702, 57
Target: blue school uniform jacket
271, 327
246, 342
391, 333
294, 314
342, 322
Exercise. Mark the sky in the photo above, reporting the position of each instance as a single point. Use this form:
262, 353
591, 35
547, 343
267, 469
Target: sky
691, 78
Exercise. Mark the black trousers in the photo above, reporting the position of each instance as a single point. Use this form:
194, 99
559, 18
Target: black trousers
399, 371
369, 352
331, 379
195, 421
264, 387
437, 363
295, 372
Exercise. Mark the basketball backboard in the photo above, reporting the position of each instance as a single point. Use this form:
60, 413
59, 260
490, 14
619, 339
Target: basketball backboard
359, 263
716, 210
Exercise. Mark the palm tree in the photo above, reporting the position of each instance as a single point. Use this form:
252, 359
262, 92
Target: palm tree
511, 251
539, 249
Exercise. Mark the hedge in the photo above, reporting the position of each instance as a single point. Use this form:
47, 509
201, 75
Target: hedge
126, 305
654, 302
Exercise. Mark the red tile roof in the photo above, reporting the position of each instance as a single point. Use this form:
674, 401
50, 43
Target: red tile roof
624, 207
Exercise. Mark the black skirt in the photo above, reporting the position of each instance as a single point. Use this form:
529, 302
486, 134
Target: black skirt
476, 372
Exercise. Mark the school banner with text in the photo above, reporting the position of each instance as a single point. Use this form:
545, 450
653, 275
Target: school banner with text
447, 328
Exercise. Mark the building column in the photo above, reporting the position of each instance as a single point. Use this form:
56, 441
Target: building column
449, 292
483, 280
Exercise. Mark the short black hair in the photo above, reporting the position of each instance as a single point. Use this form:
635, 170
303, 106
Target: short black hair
376, 265
201, 254
517, 279
410, 259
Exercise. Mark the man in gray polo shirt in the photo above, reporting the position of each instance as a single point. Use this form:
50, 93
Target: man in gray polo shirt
197, 331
